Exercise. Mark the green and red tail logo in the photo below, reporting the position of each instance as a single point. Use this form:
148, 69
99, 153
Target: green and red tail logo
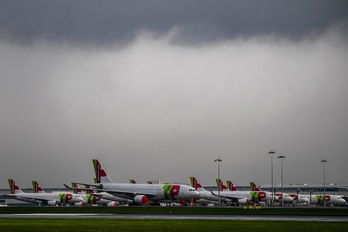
37, 188
13, 186
194, 183
99, 171
231, 186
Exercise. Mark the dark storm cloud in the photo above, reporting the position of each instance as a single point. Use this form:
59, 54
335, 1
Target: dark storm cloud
173, 86
109, 21
152, 109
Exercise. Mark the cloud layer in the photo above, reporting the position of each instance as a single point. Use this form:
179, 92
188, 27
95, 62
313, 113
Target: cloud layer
157, 108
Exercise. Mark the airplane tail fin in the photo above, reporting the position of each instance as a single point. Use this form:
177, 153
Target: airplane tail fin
76, 188
221, 185
231, 186
254, 187
37, 188
100, 173
132, 181
14, 188
149, 182
195, 184
89, 187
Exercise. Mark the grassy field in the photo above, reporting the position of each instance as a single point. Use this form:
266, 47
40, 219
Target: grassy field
180, 210
164, 225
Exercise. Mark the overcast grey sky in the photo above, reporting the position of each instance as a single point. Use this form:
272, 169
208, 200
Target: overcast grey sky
159, 89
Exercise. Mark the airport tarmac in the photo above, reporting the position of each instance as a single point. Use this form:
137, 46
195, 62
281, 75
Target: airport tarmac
181, 216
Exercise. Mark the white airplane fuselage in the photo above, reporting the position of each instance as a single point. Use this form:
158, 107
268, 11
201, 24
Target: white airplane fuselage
249, 195
48, 198
329, 199
155, 192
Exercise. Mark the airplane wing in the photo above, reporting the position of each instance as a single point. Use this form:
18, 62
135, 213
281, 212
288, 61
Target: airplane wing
118, 193
227, 197
24, 198
85, 189
127, 194
92, 185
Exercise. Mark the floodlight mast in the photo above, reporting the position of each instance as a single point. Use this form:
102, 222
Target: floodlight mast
218, 160
281, 157
324, 161
272, 189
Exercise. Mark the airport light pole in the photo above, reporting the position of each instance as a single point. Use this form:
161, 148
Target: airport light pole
324, 161
218, 160
281, 157
272, 189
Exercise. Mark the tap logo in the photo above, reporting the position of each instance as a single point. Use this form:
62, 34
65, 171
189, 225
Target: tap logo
92, 199
256, 195
65, 197
171, 191
320, 198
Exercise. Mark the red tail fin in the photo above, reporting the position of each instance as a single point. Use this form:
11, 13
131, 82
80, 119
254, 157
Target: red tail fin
100, 173
231, 186
14, 188
221, 184
37, 188
254, 187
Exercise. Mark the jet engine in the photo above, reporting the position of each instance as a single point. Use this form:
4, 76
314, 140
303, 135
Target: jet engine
243, 201
52, 203
141, 199
80, 203
111, 204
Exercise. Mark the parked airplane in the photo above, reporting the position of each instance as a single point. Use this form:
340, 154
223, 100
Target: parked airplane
50, 199
329, 199
240, 197
142, 193
106, 196
243, 197
299, 198
91, 199
286, 197
205, 197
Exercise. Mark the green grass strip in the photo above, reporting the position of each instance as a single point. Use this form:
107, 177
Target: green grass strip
164, 225
339, 211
